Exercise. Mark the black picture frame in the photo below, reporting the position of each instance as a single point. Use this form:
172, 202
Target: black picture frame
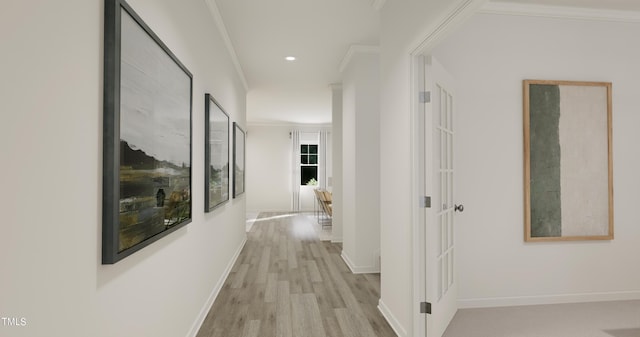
147, 139
216, 163
239, 154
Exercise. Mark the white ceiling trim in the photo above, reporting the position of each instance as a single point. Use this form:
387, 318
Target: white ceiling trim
323, 126
357, 49
378, 4
560, 12
452, 19
217, 18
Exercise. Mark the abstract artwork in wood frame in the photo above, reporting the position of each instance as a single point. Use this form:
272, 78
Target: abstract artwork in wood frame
568, 168
146, 137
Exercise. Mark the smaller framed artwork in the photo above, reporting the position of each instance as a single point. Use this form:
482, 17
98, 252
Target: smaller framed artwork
568, 168
238, 159
216, 138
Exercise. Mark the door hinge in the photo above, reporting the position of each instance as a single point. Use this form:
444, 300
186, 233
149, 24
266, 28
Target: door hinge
425, 308
425, 202
425, 97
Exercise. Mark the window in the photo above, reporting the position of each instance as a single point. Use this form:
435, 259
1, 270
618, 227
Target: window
308, 164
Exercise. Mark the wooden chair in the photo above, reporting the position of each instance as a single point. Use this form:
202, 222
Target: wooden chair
325, 201
317, 205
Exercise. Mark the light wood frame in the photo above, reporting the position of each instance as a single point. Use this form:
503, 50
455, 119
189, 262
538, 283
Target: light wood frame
527, 106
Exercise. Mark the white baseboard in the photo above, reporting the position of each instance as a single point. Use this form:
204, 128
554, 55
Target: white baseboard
547, 299
336, 240
395, 325
358, 269
214, 293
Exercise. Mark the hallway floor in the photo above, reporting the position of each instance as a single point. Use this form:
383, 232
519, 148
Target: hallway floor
288, 283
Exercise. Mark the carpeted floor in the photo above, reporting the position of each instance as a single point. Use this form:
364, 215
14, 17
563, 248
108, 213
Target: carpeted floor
600, 319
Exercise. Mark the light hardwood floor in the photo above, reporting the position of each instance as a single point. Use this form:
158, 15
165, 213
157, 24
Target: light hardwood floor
287, 283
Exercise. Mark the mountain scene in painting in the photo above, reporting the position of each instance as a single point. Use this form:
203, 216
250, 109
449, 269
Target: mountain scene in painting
155, 138
154, 195
218, 184
238, 161
218, 165
239, 180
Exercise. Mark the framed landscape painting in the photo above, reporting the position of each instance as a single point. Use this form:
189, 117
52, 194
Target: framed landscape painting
147, 136
568, 169
238, 159
216, 155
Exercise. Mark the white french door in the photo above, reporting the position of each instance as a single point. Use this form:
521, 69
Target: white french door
440, 231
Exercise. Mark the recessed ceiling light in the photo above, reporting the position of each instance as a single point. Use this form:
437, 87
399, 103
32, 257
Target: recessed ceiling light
290, 58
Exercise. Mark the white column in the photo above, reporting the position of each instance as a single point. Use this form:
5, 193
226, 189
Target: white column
335, 179
361, 159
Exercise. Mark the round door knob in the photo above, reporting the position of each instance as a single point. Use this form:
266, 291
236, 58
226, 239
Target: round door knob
458, 208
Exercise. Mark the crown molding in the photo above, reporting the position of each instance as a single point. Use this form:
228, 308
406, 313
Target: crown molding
503, 8
217, 18
378, 4
452, 19
357, 49
307, 127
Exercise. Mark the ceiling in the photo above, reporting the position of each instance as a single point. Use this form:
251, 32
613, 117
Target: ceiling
318, 34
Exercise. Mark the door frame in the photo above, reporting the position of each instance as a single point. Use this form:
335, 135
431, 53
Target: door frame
423, 175
418, 162
454, 18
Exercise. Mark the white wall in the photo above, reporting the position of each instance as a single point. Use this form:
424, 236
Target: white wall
268, 168
361, 163
269, 158
51, 149
489, 57
297, 105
